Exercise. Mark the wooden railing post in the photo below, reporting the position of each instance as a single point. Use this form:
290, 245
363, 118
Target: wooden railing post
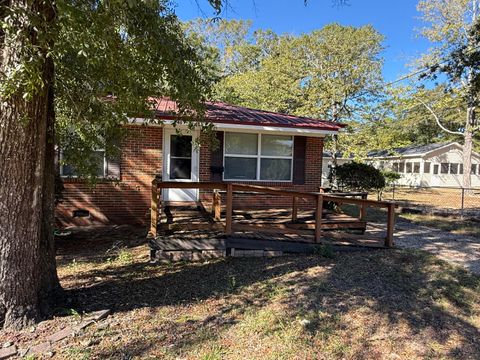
363, 212
318, 218
390, 225
229, 214
294, 208
216, 205
154, 209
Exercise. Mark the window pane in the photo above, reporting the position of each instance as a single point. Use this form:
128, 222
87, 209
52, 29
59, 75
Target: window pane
68, 170
409, 168
100, 163
237, 168
474, 169
401, 167
453, 168
460, 170
435, 169
180, 168
275, 169
395, 167
241, 143
181, 146
444, 168
277, 145
416, 168
426, 168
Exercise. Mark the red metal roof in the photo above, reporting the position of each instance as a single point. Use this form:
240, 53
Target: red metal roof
219, 112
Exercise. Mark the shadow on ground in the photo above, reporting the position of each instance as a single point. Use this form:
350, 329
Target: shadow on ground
402, 288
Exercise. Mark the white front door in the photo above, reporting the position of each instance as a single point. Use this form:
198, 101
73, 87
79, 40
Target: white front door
180, 163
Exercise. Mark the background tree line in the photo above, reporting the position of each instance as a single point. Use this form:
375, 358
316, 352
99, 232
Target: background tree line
334, 73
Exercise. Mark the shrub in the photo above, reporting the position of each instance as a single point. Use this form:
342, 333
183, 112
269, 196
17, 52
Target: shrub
356, 176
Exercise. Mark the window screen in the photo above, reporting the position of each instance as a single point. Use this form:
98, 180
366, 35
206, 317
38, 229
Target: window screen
444, 168
426, 168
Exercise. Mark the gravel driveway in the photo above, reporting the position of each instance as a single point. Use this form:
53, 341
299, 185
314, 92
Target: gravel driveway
457, 249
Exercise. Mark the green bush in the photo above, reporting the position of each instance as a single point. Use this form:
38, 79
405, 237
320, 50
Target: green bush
356, 176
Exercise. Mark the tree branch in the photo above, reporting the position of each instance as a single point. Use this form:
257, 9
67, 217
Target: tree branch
438, 120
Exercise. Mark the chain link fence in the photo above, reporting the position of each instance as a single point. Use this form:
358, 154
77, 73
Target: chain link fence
436, 200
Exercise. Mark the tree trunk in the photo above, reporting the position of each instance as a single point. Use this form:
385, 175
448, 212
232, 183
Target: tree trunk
334, 183
467, 148
26, 256
50, 289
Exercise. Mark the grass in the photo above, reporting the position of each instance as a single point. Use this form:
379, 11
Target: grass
452, 224
356, 305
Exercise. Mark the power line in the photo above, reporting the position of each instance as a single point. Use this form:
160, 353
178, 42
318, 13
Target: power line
424, 69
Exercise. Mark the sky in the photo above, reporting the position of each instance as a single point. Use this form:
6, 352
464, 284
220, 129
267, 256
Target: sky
397, 20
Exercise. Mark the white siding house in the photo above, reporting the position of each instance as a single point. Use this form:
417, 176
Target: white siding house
327, 165
428, 165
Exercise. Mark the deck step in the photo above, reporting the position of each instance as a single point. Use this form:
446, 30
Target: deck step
234, 242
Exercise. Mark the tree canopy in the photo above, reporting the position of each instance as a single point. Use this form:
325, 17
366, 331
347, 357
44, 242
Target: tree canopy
310, 74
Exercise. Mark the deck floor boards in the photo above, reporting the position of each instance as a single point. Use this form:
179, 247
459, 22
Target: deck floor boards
191, 228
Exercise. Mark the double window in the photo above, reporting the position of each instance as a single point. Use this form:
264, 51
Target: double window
263, 157
67, 170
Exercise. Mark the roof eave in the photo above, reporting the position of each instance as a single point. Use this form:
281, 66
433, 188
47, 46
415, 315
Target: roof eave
311, 131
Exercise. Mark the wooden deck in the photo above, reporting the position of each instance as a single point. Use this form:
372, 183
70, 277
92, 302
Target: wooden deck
187, 230
220, 230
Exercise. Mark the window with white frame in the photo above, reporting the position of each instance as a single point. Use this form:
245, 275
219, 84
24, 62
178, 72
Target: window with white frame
426, 167
416, 167
67, 170
264, 157
444, 167
454, 168
409, 167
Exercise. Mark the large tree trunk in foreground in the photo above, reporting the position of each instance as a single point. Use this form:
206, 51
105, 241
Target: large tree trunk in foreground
50, 290
27, 271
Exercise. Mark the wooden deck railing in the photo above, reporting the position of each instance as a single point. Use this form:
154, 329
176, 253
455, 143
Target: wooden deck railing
318, 197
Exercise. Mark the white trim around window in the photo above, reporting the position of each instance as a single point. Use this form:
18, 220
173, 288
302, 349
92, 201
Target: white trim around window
61, 165
258, 156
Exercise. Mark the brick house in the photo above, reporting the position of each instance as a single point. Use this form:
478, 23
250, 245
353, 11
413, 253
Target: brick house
255, 147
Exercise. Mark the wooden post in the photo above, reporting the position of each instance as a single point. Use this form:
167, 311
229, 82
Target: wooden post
318, 218
229, 214
294, 208
390, 225
154, 209
363, 212
463, 203
217, 205
363, 209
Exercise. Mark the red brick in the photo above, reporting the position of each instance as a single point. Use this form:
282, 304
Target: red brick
128, 201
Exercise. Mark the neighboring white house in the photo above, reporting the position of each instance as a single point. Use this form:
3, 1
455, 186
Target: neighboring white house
327, 166
439, 164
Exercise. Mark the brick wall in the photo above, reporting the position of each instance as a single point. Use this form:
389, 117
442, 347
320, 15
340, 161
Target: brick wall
124, 201
128, 201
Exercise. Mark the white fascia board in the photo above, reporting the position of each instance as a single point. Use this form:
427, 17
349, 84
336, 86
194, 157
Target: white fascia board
395, 157
247, 128
275, 129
